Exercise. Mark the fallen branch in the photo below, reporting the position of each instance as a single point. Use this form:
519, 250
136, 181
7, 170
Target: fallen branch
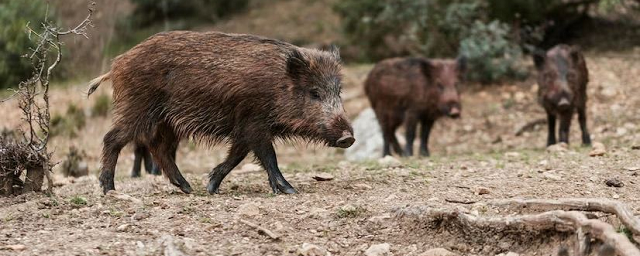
261, 230
459, 201
530, 126
578, 204
554, 220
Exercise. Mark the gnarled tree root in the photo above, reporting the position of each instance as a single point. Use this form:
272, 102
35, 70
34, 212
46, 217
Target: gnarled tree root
557, 219
578, 204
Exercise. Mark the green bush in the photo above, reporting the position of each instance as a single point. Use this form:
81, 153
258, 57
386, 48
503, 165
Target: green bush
14, 41
70, 123
101, 106
150, 12
491, 55
438, 28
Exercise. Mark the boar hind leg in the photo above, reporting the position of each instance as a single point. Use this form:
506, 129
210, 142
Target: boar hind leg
410, 126
389, 135
565, 124
267, 156
582, 118
138, 153
426, 125
551, 122
113, 141
236, 154
162, 147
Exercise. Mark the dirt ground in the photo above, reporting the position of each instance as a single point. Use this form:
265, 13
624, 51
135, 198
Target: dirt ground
354, 210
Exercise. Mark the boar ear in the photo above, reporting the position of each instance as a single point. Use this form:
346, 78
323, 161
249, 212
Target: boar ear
335, 51
538, 58
297, 64
461, 62
426, 66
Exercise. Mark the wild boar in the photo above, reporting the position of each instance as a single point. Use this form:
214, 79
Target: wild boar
412, 90
142, 154
214, 87
562, 81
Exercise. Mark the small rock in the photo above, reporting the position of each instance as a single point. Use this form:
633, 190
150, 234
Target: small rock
512, 254
249, 209
559, 147
389, 161
597, 149
250, 167
380, 218
437, 252
621, 131
614, 183
124, 197
16, 247
519, 96
362, 186
323, 176
482, 191
123, 228
616, 196
308, 249
632, 168
552, 176
635, 147
318, 213
378, 250
512, 155
140, 215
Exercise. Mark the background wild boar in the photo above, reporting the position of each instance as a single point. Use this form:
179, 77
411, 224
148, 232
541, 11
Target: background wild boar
214, 87
563, 78
412, 90
142, 154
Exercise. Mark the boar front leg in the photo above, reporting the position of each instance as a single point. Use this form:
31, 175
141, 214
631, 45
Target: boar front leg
426, 125
582, 118
565, 124
551, 123
411, 121
237, 152
267, 156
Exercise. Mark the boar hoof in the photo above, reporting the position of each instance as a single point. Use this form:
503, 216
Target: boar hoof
213, 187
186, 188
287, 190
107, 184
424, 153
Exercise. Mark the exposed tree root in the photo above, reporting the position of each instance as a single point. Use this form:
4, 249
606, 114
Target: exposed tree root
558, 220
578, 204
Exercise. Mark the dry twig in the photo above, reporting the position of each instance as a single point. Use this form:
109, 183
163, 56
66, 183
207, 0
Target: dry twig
261, 230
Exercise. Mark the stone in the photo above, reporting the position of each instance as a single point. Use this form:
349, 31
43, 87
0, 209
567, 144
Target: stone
482, 191
614, 182
597, 149
16, 247
437, 252
552, 176
361, 186
558, 147
368, 144
249, 209
389, 162
323, 176
308, 249
378, 250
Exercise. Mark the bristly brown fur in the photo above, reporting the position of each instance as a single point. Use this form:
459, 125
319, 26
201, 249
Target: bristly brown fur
412, 90
563, 78
215, 87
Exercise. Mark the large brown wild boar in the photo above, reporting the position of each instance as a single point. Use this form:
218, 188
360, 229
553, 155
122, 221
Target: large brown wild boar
412, 90
563, 78
214, 87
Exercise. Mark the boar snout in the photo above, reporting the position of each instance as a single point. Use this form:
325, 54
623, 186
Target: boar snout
346, 140
340, 133
454, 112
564, 104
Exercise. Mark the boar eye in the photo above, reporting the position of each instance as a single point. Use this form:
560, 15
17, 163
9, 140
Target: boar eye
315, 94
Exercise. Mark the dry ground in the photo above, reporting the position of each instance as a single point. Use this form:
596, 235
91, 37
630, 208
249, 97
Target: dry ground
353, 211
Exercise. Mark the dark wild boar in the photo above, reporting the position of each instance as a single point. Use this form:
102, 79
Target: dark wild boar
412, 90
563, 78
142, 154
213, 87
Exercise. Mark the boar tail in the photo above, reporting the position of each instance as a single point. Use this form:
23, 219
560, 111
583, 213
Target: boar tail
93, 84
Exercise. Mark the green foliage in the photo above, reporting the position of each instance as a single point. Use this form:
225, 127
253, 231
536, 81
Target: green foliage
101, 106
70, 123
436, 28
491, 55
150, 12
78, 201
14, 41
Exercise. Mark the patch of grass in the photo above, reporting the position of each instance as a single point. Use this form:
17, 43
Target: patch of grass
626, 232
206, 220
78, 201
115, 213
46, 215
101, 105
68, 124
350, 212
